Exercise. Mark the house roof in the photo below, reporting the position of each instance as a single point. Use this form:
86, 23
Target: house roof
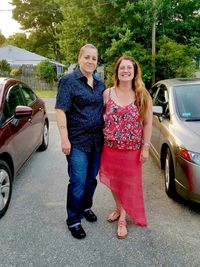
18, 56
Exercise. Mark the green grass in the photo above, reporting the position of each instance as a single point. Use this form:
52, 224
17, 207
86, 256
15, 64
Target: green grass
45, 93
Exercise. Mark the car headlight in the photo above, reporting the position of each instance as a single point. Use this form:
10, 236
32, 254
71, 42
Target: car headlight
189, 155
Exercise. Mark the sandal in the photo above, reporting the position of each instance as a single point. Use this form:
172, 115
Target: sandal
121, 230
114, 215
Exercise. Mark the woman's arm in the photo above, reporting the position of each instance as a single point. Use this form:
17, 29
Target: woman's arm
62, 127
147, 131
105, 96
105, 99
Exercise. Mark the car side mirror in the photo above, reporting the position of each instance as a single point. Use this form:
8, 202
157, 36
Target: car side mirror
23, 111
157, 110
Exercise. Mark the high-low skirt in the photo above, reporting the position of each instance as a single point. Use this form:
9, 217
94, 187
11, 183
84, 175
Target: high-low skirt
121, 171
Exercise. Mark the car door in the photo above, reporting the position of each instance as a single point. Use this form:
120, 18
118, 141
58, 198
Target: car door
37, 116
160, 97
20, 127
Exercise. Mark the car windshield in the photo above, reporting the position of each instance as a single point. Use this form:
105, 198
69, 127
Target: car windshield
187, 99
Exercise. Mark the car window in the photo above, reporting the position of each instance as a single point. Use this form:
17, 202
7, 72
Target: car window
188, 101
162, 99
1, 118
29, 95
13, 99
153, 91
4, 115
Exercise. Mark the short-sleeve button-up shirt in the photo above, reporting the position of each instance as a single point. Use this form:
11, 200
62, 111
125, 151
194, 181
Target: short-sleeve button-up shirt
83, 106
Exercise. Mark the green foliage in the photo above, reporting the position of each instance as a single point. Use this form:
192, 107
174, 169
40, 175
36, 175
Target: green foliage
46, 71
179, 19
58, 29
175, 60
19, 40
126, 46
2, 39
125, 27
76, 29
16, 72
4, 68
41, 18
45, 93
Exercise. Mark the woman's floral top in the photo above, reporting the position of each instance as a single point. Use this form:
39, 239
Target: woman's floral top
123, 127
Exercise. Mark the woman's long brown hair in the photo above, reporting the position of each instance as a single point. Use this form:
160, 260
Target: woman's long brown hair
142, 96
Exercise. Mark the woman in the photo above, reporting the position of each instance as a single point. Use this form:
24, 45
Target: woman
127, 133
79, 106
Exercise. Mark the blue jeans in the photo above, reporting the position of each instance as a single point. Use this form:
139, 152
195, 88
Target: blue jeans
83, 168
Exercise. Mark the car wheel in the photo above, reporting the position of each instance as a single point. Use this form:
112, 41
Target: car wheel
5, 187
169, 175
45, 138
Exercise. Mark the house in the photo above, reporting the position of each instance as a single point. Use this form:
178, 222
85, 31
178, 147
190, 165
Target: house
17, 57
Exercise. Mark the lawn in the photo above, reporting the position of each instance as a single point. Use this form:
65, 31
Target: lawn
45, 93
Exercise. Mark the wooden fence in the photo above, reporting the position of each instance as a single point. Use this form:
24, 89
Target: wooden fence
28, 75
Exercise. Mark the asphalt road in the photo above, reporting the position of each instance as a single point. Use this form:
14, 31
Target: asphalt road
33, 231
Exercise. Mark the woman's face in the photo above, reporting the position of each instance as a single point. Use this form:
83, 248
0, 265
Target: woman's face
88, 60
126, 70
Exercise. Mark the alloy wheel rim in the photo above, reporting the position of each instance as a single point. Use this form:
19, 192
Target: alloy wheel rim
167, 172
45, 134
4, 188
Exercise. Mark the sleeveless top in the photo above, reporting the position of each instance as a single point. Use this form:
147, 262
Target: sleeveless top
123, 128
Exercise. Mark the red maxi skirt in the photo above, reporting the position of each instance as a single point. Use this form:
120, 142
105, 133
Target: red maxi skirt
121, 171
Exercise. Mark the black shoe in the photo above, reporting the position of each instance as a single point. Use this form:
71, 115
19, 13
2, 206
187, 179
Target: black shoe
90, 216
77, 231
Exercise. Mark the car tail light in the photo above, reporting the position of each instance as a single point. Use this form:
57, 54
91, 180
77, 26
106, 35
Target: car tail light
189, 155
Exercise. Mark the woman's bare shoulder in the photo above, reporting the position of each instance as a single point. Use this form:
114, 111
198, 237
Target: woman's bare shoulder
106, 94
106, 91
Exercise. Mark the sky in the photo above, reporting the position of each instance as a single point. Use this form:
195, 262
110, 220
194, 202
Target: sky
8, 26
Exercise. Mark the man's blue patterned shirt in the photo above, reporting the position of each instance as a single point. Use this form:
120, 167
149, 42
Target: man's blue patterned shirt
83, 106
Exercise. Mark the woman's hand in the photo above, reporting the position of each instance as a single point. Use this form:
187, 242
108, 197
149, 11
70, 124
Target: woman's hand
144, 154
66, 147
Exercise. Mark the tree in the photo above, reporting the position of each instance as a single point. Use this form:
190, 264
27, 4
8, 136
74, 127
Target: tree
19, 40
179, 20
2, 39
175, 60
46, 71
41, 18
76, 26
4, 67
116, 27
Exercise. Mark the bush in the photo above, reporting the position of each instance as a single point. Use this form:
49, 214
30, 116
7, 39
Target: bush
16, 72
175, 60
45, 70
4, 68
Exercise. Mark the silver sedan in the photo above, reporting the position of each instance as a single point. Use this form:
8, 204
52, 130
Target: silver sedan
175, 139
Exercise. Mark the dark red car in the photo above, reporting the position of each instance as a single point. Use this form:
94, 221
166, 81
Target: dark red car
24, 128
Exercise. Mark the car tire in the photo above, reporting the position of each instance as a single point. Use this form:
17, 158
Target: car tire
169, 175
45, 138
5, 187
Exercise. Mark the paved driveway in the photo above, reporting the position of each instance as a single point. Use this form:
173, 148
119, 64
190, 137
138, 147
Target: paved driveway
33, 231
50, 104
